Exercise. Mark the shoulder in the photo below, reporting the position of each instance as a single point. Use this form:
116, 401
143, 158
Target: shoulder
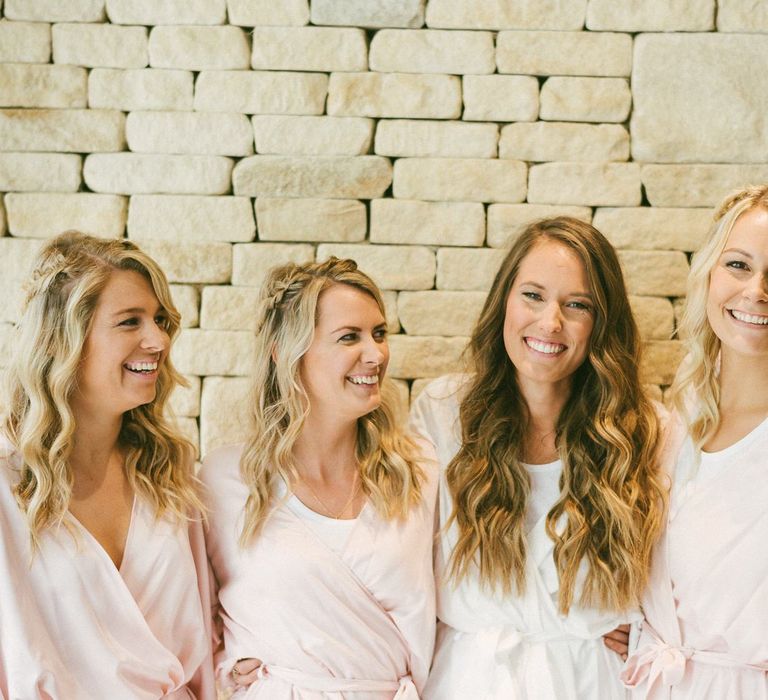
440, 397
221, 463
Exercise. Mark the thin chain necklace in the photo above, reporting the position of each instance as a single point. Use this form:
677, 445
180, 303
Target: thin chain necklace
335, 516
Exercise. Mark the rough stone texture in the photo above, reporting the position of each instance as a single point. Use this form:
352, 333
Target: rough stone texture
188, 218
251, 261
369, 13
425, 356
198, 48
585, 99
30, 85
654, 316
309, 48
654, 273
100, 45
55, 10
187, 300
203, 263
432, 51
151, 12
503, 14
334, 220
203, 352
16, 260
3, 222
24, 42
70, 130
40, 172
130, 90
652, 15
136, 173
438, 312
460, 179
37, 215
564, 53
223, 412
660, 361
185, 400
436, 138
252, 13
467, 269
699, 98
742, 16
212, 133
653, 228
313, 136
697, 185
394, 95
427, 223
391, 267
504, 98
507, 221
363, 177
552, 141
229, 308
594, 184
261, 93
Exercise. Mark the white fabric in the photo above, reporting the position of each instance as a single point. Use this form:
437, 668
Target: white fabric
545, 490
331, 532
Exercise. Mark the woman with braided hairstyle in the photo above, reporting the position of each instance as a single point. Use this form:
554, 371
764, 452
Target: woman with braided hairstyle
103, 578
321, 523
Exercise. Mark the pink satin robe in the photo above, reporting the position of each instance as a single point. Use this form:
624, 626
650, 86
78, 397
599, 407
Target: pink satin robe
358, 625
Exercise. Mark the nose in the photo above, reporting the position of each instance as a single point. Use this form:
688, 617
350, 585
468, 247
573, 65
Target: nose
552, 318
155, 338
375, 352
757, 288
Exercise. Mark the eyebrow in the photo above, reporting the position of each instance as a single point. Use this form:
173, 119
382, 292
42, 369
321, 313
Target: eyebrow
737, 250
356, 329
584, 295
136, 310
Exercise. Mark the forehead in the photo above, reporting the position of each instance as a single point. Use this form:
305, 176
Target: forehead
750, 230
341, 302
548, 258
124, 289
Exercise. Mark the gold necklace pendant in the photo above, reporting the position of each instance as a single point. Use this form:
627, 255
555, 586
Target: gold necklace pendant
324, 506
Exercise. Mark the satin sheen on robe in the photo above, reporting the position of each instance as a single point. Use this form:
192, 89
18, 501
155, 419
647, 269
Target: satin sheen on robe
705, 636
358, 625
73, 627
508, 647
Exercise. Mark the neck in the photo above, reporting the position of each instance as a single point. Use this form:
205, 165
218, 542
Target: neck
545, 403
95, 445
743, 382
326, 447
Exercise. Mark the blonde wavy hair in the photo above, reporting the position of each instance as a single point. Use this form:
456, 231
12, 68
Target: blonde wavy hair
612, 497
71, 271
287, 314
696, 390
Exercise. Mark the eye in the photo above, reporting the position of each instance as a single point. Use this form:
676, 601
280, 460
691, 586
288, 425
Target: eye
737, 265
380, 334
348, 338
579, 305
129, 322
163, 321
534, 296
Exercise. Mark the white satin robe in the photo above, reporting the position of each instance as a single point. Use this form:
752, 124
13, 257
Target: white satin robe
74, 627
358, 625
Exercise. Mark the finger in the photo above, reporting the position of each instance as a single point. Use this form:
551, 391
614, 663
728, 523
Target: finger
618, 636
244, 666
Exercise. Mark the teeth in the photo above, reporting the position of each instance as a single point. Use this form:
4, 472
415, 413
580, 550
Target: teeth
368, 379
548, 348
141, 366
749, 318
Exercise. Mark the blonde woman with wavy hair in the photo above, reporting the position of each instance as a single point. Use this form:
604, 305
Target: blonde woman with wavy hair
550, 501
706, 607
321, 523
99, 510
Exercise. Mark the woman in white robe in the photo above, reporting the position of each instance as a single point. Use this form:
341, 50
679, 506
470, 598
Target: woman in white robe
705, 632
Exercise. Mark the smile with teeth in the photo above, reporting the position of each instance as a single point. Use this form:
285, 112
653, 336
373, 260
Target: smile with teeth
749, 318
141, 367
364, 379
546, 348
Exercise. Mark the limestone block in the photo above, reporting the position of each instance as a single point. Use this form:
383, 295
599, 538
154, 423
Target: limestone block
585, 99
223, 412
55, 10
40, 172
688, 105
467, 269
593, 184
503, 98
394, 95
422, 138
361, 177
460, 179
654, 317
38, 215
418, 385
202, 263
654, 228
185, 218
309, 48
151, 12
185, 400
334, 220
654, 273
188, 429
261, 13
660, 361
69, 130
187, 300
432, 51
31, 85
100, 45
261, 93
742, 16
147, 88
369, 13
697, 185
507, 221
652, 15
213, 133
199, 48
24, 42
136, 173
551, 141
503, 14
252, 261
427, 223
229, 308
390, 266
439, 313
313, 136
564, 53
16, 259
203, 352
424, 356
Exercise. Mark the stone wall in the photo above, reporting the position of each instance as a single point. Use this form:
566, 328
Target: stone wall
417, 137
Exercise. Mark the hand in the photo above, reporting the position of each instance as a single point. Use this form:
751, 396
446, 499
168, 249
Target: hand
618, 640
246, 671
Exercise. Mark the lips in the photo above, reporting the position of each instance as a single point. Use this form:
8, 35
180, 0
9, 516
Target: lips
544, 347
364, 379
752, 319
141, 367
